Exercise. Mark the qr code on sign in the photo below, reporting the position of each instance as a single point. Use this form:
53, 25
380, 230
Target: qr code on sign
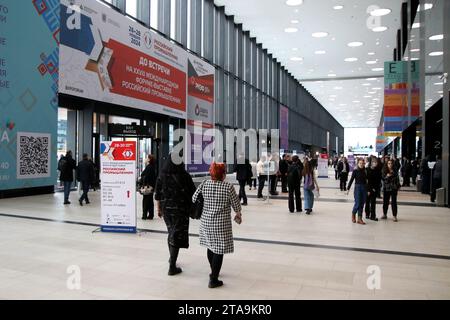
33, 155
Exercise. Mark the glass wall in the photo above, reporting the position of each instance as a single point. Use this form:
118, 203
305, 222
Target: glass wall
250, 83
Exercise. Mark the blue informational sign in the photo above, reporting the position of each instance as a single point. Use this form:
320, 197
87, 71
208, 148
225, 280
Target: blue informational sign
28, 93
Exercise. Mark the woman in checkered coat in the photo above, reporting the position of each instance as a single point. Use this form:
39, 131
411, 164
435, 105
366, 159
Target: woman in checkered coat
216, 231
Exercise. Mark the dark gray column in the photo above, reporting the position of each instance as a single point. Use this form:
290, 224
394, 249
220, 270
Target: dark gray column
119, 4
71, 137
446, 103
164, 16
196, 26
85, 130
208, 29
143, 11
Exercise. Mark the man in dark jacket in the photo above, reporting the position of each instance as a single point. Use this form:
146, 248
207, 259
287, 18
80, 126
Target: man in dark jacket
66, 166
85, 174
294, 180
284, 166
374, 177
437, 178
243, 171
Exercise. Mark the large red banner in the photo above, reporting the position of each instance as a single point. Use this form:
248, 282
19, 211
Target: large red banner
137, 75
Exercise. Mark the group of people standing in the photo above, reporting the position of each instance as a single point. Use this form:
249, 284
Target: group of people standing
372, 177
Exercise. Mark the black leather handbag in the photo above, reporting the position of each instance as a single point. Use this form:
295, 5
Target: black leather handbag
197, 208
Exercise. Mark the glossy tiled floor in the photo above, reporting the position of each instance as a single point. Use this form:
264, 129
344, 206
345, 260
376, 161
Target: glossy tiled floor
278, 255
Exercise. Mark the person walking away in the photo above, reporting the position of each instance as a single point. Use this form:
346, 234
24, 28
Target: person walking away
336, 163
391, 186
437, 178
66, 166
284, 167
344, 170
374, 182
414, 170
425, 174
243, 171
273, 178
262, 175
173, 195
359, 175
309, 184
86, 176
254, 177
294, 179
216, 232
408, 173
148, 181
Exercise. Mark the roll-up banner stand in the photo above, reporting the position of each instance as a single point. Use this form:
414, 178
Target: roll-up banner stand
118, 192
322, 166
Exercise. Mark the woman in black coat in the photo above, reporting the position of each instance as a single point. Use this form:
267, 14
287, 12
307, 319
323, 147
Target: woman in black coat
148, 179
173, 194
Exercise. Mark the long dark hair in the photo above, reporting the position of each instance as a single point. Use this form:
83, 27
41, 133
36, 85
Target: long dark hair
307, 168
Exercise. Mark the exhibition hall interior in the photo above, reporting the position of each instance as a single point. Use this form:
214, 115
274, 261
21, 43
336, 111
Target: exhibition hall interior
224, 150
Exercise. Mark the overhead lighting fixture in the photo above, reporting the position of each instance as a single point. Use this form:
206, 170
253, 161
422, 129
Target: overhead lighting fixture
436, 37
371, 53
366, 84
379, 29
380, 12
355, 44
337, 88
378, 69
351, 59
356, 101
376, 88
296, 59
416, 25
332, 75
415, 50
320, 34
290, 30
320, 52
367, 97
338, 7
371, 79
294, 49
293, 3
295, 21
372, 62
436, 53
439, 84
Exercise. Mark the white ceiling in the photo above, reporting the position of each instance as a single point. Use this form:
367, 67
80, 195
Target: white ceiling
348, 100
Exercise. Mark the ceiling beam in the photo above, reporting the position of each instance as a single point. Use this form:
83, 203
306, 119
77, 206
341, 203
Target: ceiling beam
428, 74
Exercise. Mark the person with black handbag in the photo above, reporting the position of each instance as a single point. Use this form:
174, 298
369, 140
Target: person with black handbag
148, 181
216, 233
173, 195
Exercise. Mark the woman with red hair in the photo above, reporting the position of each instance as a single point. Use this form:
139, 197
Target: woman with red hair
216, 233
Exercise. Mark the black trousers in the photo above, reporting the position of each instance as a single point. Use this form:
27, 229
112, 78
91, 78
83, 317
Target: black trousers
344, 178
284, 183
371, 205
242, 194
261, 182
252, 182
406, 180
215, 262
173, 256
437, 183
148, 208
85, 186
295, 192
273, 183
336, 174
390, 197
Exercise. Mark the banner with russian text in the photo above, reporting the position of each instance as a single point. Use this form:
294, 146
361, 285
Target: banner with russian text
118, 192
106, 56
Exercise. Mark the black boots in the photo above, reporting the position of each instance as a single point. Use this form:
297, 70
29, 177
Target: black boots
214, 282
173, 269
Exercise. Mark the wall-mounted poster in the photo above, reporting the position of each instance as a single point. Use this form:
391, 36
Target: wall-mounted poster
108, 57
28, 86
